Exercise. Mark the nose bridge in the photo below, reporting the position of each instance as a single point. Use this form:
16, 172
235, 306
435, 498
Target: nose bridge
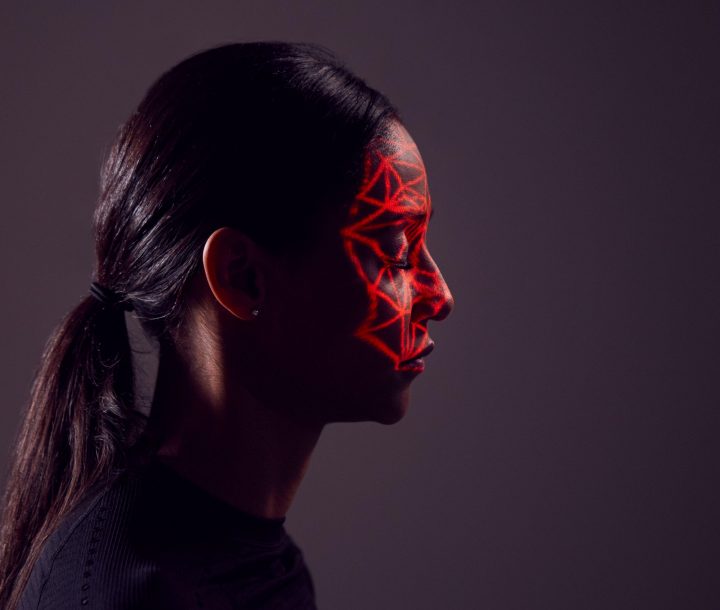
446, 300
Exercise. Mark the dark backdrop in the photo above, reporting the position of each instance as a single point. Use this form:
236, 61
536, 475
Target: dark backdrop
561, 447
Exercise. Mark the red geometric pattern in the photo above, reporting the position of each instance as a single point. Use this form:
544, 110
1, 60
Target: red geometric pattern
385, 240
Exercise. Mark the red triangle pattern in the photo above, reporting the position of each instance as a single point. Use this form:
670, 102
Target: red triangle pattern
394, 185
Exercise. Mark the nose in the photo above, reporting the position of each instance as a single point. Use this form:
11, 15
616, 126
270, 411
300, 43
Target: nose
446, 300
433, 299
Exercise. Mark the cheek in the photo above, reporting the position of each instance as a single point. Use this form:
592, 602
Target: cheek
322, 304
388, 301
386, 286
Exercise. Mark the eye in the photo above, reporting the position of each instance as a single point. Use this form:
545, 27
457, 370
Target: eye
403, 264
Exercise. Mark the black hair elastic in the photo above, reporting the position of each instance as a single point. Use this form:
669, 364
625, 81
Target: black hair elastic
108, 297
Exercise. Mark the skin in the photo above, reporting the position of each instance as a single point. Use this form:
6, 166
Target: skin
240, 404
388, 222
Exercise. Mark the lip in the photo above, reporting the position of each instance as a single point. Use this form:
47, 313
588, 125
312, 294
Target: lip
412, 367
430, 346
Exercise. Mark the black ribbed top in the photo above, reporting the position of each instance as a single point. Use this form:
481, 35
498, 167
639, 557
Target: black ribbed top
154, 540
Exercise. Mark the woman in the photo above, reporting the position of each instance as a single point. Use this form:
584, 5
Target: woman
263, 213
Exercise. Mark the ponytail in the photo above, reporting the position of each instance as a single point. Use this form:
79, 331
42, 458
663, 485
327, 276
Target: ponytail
75, 432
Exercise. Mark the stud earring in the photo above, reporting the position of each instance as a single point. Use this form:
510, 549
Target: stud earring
255, 312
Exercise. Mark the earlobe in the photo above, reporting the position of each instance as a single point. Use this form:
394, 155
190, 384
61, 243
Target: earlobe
230, 267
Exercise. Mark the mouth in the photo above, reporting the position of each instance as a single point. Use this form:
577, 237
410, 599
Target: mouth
430, 346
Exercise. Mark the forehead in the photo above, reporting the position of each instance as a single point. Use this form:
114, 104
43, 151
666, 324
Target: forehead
394, 186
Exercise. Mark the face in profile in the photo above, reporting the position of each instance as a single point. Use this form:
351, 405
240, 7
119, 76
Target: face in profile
362, 303
385, 238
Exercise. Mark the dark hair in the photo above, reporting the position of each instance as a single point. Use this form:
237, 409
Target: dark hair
262, 136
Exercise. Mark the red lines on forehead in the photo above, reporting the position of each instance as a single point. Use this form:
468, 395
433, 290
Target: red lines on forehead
394, 189
393, 201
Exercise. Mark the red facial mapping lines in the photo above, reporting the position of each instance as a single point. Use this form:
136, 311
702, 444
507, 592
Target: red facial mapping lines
394, 188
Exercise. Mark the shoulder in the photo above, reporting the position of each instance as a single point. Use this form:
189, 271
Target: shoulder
153, 540
90, 558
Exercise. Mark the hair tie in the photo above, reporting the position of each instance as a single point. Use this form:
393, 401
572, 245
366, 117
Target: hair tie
108, 297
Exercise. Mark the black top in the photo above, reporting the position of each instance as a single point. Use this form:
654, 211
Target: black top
154, 540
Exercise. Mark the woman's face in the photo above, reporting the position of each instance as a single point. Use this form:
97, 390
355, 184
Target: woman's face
362, 301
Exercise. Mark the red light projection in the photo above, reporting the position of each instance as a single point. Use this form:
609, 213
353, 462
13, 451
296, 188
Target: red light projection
385, 239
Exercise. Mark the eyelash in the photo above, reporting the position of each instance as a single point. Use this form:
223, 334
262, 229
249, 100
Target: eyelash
401, 264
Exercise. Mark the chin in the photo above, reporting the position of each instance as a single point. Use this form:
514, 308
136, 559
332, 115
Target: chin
390, 418
392, 411
385, 410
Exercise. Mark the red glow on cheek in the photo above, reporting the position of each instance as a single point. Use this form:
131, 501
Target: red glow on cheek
394, 185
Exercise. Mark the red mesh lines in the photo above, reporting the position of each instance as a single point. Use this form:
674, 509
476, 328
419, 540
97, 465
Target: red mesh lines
381, 233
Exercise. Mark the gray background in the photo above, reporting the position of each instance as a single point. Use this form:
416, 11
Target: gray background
561, 447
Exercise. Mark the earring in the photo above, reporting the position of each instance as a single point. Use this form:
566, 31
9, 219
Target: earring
255, 312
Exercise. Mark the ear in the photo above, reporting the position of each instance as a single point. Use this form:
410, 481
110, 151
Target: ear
230, 260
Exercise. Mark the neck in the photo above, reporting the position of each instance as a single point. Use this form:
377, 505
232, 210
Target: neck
226, 442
